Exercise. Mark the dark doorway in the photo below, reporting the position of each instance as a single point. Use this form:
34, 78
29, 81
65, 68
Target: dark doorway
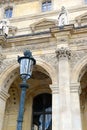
42, 112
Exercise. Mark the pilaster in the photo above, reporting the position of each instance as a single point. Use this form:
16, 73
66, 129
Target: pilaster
3, 98
75, 106
55, 106
63, 54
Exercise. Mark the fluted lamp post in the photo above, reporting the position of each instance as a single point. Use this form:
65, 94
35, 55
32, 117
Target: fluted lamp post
26, 66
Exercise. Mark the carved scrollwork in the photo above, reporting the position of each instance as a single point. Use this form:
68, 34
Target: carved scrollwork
2, 57
63, 52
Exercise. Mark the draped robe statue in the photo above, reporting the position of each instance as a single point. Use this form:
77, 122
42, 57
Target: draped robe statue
63, 17
4, 26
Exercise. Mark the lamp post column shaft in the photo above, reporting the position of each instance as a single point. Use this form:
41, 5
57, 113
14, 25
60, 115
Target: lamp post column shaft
26, 63
21, 107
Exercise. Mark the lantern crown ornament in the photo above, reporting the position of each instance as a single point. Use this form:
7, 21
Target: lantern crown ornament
26, 65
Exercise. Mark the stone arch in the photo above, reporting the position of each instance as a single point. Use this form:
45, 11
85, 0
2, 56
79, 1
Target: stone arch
79, 70
6, 74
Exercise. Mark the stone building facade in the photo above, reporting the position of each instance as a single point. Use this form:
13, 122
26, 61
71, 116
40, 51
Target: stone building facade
57, 95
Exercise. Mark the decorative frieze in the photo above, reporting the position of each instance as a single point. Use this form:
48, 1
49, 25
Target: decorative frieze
79, 42
63, 52
7, 63
32, 45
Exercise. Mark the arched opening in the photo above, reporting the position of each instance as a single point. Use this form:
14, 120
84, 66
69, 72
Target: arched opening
42, 112
83, 98
38, 84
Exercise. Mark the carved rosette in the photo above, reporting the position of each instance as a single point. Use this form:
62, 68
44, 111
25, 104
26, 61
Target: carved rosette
63, 52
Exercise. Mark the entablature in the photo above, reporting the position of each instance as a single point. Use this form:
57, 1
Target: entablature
54, 35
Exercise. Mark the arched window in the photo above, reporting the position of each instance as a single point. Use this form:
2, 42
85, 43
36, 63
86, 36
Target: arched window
8, 12
42, 112
46, 5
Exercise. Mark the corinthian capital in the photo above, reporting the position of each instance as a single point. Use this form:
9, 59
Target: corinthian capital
63, 52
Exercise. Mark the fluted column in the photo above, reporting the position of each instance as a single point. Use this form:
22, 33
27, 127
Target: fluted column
3, 98
63, 55
75, 107
55, 106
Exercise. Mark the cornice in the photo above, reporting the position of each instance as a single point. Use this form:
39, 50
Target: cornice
68, 30
41, 37
15, 1
56, 33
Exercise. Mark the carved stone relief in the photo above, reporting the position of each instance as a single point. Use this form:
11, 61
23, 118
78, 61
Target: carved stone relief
32, 46
63, 52
51, 59
77, 56
79, 42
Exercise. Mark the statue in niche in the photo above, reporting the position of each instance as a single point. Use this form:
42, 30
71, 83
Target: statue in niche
4, 27
63, 17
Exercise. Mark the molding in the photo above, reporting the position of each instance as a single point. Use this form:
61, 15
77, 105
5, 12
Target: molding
4, 95
54, 88
64, 36
75, 88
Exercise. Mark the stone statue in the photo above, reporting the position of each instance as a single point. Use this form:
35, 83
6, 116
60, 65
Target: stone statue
4, 26
63, 17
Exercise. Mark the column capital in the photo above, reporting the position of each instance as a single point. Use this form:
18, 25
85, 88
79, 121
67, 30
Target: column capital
54, 88
62, 52
75, 88
4, 95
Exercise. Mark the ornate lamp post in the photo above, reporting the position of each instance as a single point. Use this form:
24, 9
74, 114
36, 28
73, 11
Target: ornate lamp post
26, 65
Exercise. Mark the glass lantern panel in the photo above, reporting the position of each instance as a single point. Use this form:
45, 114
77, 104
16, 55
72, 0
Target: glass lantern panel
24, 64
31, 66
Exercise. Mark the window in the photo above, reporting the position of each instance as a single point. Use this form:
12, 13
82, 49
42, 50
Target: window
8, 12
46, 5
42, 112
86, 1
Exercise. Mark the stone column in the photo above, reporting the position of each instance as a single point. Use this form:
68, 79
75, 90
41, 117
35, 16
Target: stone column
3, 98
75, 107
63, 55
55, 107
